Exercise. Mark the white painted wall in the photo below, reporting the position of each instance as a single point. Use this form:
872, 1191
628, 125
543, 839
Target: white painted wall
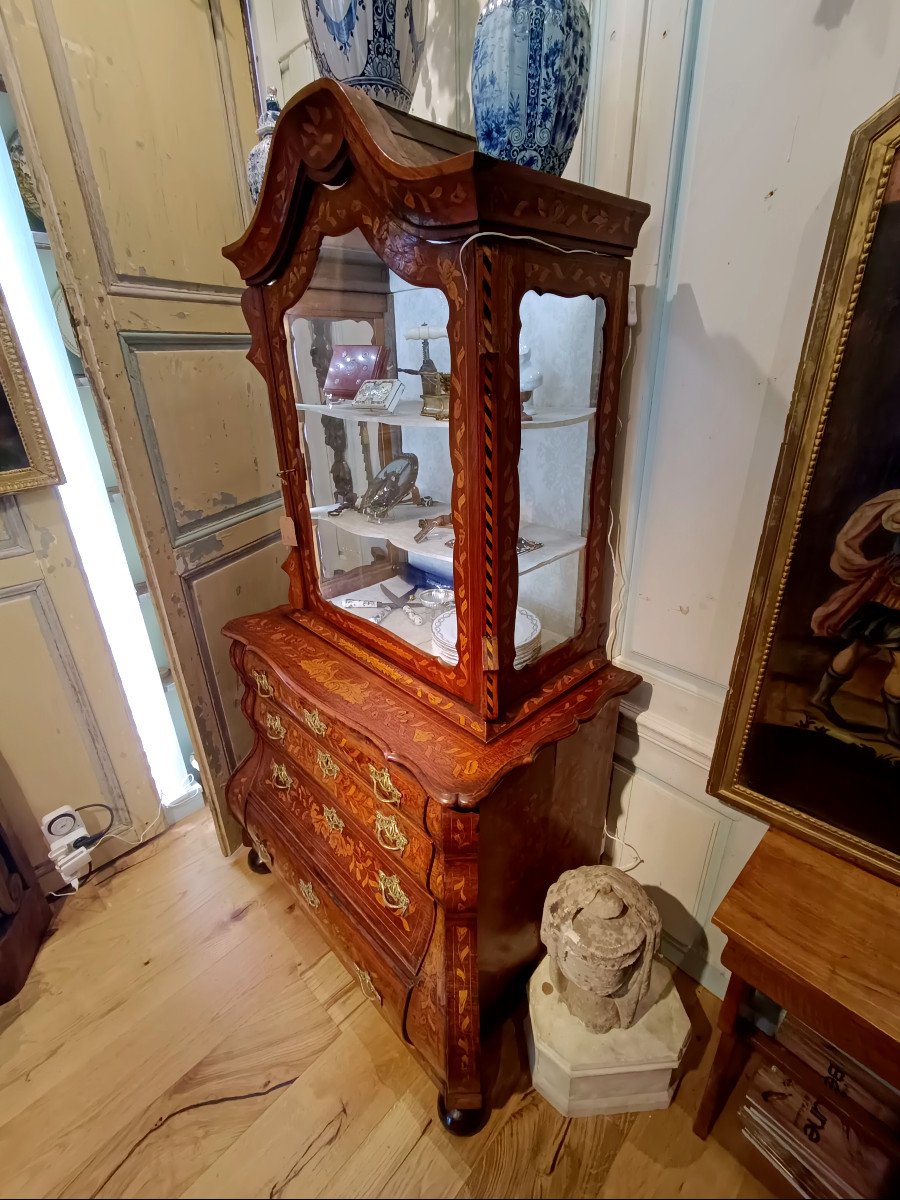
732, 118
765, 97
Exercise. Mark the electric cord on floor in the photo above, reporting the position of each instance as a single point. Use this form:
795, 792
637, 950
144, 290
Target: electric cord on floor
98, 839
131, 829
160, 812
82, 880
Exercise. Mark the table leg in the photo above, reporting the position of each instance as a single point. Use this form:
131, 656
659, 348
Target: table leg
732, 1052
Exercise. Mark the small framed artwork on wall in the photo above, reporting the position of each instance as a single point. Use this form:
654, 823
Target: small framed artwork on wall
27, 459
810, 734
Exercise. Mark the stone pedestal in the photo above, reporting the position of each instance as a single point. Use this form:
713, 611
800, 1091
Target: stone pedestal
624, 1070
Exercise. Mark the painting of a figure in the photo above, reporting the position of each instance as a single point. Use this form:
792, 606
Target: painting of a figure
864, 614
810, 737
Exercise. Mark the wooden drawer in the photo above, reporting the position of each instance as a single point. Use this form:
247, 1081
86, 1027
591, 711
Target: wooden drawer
405, 842
399, 911
390, 785
380, 982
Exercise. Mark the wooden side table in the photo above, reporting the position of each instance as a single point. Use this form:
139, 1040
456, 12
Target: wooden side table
821, 938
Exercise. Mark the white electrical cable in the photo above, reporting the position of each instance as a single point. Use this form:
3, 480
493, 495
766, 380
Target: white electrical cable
521, 237
628, 846
616, 550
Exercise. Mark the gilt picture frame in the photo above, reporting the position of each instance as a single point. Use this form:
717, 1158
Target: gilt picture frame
27, 458
810, 734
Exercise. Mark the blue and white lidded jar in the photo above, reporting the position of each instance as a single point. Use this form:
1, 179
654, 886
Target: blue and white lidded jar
529, 80
367, 45
259, 155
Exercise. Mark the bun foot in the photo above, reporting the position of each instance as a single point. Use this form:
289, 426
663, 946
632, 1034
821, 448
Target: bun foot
462, 1122
255, 863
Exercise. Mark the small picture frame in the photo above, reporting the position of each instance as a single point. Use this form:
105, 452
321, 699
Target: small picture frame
27, 459
378, 395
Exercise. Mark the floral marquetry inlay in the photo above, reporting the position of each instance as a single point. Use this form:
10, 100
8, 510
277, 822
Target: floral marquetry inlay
418, 809
452, 765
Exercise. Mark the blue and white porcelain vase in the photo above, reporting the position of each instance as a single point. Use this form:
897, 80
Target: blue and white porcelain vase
375, 45
529, 80
259, 155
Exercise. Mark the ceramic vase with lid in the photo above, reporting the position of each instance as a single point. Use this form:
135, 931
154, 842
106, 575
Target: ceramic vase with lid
375, 45
529, 80
259, 155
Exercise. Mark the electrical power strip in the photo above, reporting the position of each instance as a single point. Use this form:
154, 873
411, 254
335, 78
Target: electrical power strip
62, 829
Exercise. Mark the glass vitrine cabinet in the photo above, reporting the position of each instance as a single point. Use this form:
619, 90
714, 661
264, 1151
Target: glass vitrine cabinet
446, 362
433, 712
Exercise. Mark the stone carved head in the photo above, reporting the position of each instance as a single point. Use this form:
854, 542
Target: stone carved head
601, 930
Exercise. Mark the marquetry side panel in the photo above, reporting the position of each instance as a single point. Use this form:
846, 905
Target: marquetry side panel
455, 880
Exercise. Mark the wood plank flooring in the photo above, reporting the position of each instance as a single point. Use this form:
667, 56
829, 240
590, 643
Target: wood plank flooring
186, 1032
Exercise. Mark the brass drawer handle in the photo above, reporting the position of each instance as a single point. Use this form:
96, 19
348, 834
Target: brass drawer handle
327, 765
262, 852
308, 893
383, 785
262, 684
368, 987
332, 820
392, 893
274, 727
389, 833
280, 777
314, 722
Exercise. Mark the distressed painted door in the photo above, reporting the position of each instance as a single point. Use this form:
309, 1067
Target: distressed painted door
66, 735
137, 117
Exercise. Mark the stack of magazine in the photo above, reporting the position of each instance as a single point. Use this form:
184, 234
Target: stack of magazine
804, 1138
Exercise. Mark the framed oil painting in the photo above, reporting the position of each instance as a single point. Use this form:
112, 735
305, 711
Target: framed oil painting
26, 453
810, 734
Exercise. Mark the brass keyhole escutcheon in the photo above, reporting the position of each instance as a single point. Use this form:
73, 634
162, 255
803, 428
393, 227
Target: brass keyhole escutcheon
280, 777
274, 727
332, 820
314, 722
327, 765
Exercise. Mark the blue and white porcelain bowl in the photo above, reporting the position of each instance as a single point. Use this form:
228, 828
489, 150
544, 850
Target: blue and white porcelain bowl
374, 45
529, 80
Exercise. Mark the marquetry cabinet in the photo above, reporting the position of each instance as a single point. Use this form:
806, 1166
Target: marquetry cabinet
433, 709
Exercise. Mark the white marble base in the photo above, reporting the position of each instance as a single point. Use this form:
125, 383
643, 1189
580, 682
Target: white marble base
625, 1070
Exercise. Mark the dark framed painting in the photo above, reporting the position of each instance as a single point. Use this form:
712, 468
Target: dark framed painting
27, 459
810, 733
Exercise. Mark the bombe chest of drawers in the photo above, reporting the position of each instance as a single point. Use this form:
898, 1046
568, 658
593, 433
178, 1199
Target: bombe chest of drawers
433, 709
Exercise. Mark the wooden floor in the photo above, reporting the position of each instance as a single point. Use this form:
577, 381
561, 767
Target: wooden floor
185, 1032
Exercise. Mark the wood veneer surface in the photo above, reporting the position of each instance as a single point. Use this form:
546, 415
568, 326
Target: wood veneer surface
187, 1032
825, 924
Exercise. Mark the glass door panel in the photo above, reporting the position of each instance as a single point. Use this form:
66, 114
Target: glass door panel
560, 355
371, 366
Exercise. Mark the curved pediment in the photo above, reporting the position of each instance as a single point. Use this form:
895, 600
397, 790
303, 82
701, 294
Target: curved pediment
432, 182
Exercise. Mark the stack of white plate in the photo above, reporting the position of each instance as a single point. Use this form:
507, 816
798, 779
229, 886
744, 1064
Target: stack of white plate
527, 635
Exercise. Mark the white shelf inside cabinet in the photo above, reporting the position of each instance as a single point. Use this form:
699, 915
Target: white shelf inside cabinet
408, 414
403, 525
398, 622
